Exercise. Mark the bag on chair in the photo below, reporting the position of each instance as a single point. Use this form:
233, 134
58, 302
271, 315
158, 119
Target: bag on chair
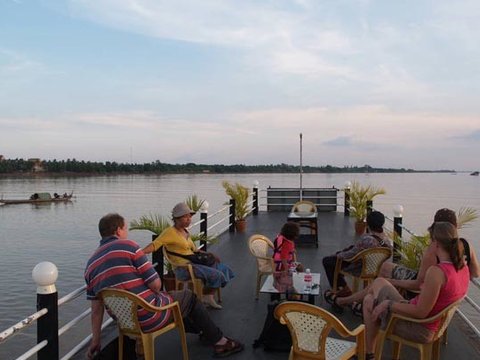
200, 258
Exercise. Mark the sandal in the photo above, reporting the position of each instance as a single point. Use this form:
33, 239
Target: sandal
227, 349
337, 309
357, 309
328, 296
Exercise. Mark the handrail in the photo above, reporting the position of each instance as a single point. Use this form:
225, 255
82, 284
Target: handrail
14, 329
33, 350
85, 341
218, 211
74, 322
73, 295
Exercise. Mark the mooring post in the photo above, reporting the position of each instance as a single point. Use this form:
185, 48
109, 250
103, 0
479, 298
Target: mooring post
346, 191
397, 231
45, 275
231, 228
255, 197
204, 224
157, 257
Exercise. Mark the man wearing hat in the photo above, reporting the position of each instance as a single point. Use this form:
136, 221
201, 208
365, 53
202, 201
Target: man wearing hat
375, 237
177, 240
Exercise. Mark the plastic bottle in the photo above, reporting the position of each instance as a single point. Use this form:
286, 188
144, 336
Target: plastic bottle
307, 280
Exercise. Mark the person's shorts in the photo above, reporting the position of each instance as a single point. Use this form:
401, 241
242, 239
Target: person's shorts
400, 272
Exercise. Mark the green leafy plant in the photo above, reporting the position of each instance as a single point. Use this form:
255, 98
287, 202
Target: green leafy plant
411, 251
359, 195
156, 224
194, 202
240, 194
152, 222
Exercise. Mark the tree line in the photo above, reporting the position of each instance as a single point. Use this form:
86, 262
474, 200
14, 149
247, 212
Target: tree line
73, 166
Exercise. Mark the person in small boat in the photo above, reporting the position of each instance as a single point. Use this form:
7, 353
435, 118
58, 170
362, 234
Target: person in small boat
375, 237
284, 253
445, 282
177, 239
139, 277
56, 196
409, 279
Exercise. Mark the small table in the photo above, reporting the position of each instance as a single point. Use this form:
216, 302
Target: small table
308, 220
298, 286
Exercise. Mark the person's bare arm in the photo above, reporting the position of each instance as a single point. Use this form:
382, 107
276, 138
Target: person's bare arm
149, 248
96, 320
155, 285
474, 266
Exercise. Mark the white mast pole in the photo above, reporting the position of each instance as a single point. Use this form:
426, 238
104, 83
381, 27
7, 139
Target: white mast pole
301, 169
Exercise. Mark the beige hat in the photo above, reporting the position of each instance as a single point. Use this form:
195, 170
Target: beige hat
181, 209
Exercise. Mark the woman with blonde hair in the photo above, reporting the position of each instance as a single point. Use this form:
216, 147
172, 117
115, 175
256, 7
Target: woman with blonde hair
445, 283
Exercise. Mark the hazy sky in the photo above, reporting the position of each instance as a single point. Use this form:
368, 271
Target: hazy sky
384, 83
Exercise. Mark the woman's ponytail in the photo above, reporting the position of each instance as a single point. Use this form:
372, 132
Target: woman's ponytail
445, 234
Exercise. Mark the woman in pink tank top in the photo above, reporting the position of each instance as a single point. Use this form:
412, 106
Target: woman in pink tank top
444, 284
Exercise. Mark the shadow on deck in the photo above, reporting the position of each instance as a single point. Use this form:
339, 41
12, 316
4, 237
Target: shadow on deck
242, 316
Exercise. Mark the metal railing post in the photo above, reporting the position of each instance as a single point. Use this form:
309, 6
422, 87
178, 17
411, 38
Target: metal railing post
204, 227
157, 257
397, 231
346, 208
231, 228
255, 199
369, 206
45, 275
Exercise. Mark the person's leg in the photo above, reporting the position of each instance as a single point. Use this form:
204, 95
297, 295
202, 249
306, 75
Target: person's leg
329, 263
195, 313
355, 297
386, 270
371, 327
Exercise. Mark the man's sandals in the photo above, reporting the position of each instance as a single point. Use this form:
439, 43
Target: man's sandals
331, 298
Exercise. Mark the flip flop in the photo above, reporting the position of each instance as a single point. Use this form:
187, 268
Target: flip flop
357, 309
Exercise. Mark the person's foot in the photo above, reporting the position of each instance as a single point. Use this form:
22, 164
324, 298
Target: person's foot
209, 301
229, 348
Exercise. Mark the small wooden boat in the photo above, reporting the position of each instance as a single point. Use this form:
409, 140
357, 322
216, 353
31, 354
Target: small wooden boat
475, 173
39, 198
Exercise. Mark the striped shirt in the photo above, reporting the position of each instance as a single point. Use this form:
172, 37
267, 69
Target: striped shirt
122, 264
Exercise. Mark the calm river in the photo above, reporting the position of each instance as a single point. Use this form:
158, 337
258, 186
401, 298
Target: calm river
67, 234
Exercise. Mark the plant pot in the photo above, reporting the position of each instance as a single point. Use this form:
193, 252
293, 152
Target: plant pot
241, 225
360, 227
169, 281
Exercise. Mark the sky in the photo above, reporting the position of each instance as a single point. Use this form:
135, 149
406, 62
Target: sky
383, 83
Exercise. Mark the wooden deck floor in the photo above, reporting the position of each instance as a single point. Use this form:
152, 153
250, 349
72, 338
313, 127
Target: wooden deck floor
242, 316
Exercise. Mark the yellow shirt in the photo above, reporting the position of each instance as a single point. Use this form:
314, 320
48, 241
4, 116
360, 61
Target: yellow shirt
174, 241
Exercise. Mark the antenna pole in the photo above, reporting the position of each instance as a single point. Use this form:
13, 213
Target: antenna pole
301, 170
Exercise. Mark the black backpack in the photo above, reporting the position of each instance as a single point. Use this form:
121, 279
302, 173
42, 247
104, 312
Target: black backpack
274, 336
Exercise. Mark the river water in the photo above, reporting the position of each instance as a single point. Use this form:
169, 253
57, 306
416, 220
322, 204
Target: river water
66, 234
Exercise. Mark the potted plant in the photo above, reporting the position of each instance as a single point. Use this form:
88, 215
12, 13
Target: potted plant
240, 194
411, 251
359, 195
156, 224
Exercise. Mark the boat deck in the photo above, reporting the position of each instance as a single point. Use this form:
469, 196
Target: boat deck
242, 316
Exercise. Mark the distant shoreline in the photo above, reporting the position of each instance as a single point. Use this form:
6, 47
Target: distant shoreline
93, 174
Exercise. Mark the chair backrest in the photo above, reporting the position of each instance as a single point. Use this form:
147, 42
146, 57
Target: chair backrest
373, 259
123, 306
309, 326
260, 246
304, 207
445, 318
